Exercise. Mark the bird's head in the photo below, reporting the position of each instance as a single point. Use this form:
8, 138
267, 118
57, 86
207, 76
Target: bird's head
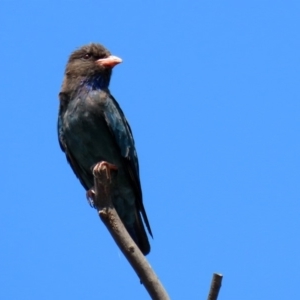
90, 64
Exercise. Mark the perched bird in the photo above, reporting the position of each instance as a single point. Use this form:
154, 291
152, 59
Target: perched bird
92, 128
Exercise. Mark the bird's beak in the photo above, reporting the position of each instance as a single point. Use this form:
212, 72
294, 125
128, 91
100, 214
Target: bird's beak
109, 62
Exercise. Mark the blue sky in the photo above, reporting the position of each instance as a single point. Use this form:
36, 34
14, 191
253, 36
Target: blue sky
211, 90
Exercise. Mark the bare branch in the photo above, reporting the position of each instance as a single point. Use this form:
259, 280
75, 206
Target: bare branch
104, 179
215, 286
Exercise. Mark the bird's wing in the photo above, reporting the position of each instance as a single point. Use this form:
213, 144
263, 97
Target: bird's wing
121, 131
77, 169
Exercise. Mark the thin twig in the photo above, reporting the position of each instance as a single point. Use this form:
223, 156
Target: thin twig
215, 286
104, 179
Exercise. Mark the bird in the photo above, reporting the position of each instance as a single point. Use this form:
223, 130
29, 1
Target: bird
92, 128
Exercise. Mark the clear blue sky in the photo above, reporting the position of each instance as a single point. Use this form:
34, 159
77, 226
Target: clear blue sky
211, 90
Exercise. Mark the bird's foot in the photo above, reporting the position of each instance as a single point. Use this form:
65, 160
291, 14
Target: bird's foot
90, 195
97, 169
104, 166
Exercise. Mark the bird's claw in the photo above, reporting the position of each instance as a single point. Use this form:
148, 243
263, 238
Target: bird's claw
96, 169
104, 165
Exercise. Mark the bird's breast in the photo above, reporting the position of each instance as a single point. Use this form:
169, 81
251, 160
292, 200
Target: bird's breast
86, 132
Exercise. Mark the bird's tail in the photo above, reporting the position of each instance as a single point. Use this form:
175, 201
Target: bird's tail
139, 235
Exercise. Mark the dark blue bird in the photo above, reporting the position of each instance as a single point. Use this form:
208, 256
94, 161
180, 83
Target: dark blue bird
92, 128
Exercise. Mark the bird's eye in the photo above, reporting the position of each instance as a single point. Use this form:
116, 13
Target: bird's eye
87, 56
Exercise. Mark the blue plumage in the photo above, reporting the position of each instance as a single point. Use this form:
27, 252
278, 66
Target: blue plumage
92, 128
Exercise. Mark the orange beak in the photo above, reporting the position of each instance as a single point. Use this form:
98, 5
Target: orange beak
109, 62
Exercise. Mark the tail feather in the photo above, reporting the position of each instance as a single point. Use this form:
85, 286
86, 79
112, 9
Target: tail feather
139, 235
